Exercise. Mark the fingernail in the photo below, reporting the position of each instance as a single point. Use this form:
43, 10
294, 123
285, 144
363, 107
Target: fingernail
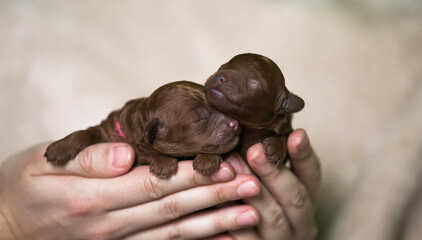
119, 156
247, 218
258, 156
303, 141
223, 174
248, 189
254, 151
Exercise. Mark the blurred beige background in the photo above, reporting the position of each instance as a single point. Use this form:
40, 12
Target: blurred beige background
65, 64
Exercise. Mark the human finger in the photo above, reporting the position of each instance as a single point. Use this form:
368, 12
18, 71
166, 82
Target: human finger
203, 224
287, 190
182, 203
305, 162
102, 160
274, 223
139, 186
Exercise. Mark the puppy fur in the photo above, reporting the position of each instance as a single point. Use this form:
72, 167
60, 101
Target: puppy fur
251, 89
175, 121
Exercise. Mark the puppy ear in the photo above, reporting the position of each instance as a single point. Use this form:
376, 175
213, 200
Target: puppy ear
289, 104
151, 130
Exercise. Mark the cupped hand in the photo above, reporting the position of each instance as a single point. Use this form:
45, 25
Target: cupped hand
99, 195
287, 201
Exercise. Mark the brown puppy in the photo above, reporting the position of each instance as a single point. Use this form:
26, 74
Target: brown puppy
175, 121
250, 88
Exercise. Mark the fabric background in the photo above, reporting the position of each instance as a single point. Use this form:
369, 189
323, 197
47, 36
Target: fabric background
65, 64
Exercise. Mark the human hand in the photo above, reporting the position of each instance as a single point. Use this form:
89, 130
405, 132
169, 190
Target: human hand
95, 196
287, 201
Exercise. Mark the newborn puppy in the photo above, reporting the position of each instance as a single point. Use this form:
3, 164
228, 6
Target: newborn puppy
175, 121
250, 88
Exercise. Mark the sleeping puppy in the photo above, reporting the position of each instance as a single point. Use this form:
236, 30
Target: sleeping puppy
175, 121
250, 88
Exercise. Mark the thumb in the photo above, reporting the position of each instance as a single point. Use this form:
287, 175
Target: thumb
305, 163
102, 160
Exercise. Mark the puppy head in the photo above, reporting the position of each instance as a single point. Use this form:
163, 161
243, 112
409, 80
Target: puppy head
251, 89
182, 123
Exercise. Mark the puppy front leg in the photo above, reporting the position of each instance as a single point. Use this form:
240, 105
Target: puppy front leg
276, 149
63, 150
207, 163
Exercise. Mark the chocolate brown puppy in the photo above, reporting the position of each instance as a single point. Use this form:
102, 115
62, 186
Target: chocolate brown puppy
250, 88
175, 121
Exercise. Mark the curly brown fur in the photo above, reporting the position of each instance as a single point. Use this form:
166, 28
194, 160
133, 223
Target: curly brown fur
175, 121
250, 88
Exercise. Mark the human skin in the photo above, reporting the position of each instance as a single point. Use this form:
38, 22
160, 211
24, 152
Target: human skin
288, 196
105, 202
287, 200
97, 197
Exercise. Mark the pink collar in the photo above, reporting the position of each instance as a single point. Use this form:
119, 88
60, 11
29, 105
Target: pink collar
119, 129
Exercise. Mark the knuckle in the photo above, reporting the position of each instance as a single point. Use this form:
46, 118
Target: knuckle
277, 219
85, 161
300, 196
82, 206
219, 195
171, 208
194, 179
219, 226
174, 233
152, 188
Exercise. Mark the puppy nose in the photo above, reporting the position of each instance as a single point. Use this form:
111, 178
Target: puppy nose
220, 79
234, 124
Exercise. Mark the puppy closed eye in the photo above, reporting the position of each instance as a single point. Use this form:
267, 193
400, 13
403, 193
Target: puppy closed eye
253, 83
202, 116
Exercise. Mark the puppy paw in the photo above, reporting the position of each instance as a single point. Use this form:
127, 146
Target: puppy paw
275, 149
206, 163
67, 148
163, 167
60, 152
